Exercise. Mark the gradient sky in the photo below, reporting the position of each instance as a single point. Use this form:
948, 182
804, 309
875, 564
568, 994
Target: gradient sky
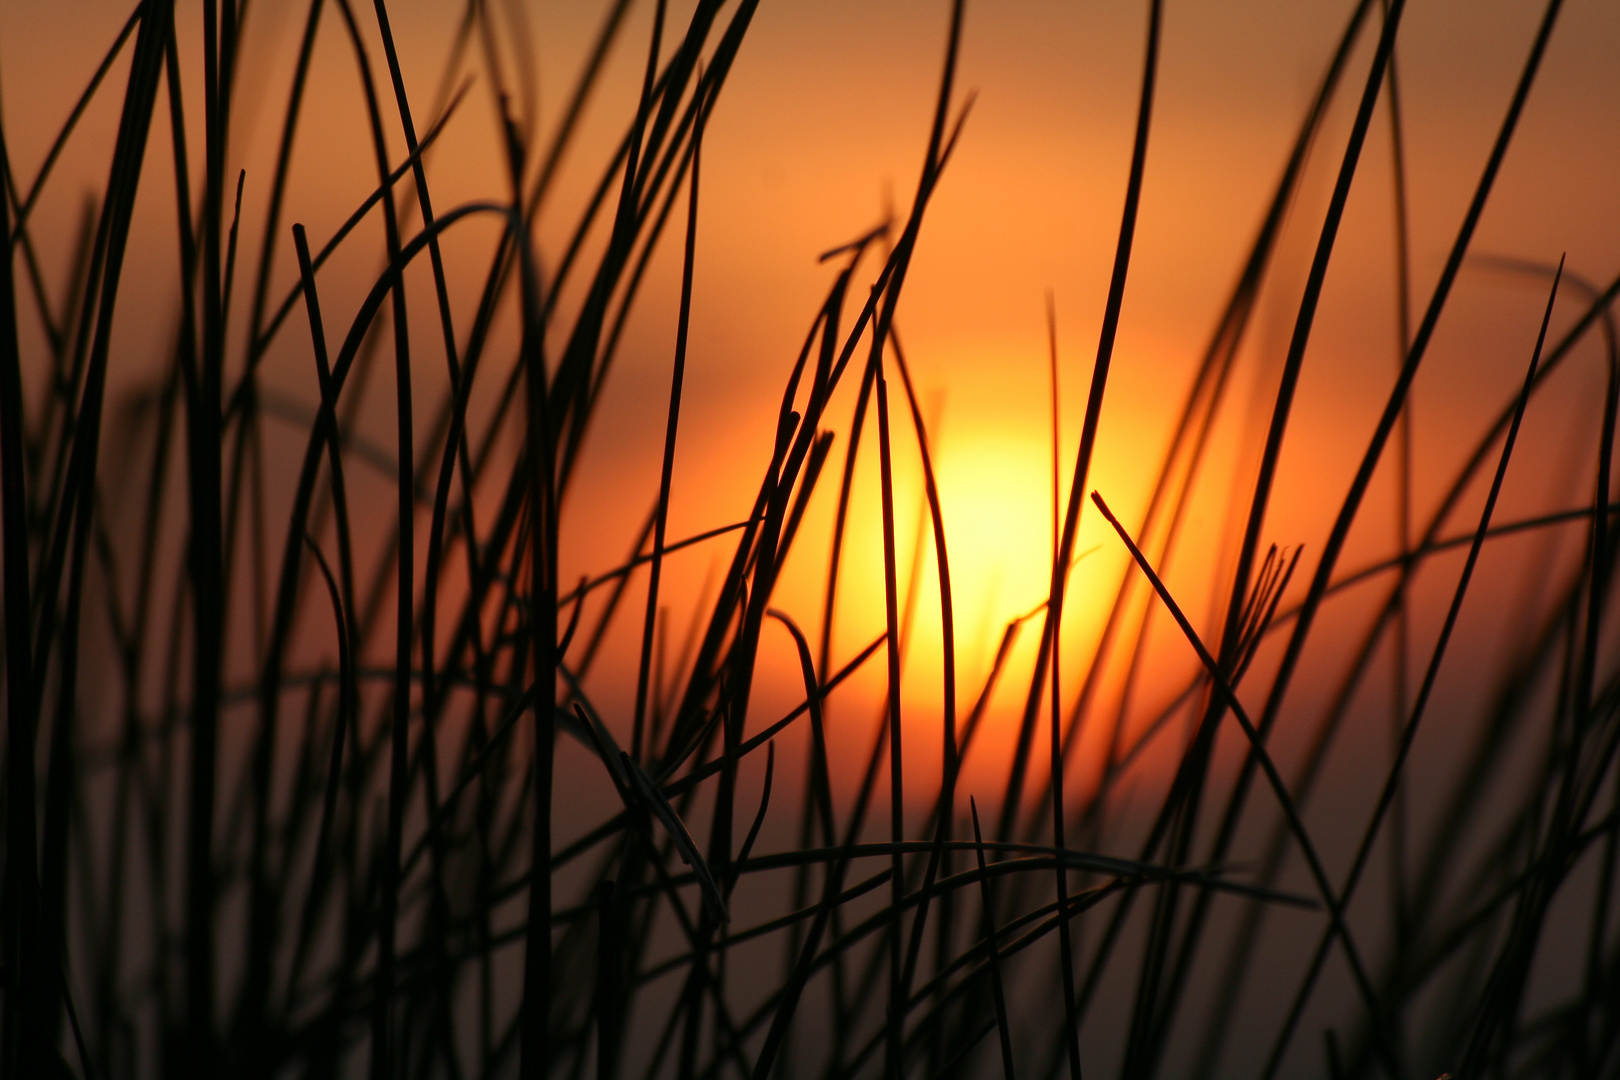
821, 128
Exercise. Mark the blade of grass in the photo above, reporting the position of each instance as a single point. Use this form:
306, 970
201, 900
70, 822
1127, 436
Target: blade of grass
987, 902
1414, 357
1330, 898
1048, 656
945, 812
1409, 731
383, 1045
207, 552
1187, 791
23, 1033
893, 1068
1395, 404
347, 707
666, 475
540, 468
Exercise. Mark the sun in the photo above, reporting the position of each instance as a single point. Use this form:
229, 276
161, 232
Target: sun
995, 490
994, 478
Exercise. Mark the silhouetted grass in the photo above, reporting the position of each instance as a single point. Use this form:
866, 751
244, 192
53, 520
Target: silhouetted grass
297, 844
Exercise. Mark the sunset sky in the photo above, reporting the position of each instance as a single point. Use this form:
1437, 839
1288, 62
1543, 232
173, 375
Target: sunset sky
820, 132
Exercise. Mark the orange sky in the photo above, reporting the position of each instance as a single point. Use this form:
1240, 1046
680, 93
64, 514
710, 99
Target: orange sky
822, 126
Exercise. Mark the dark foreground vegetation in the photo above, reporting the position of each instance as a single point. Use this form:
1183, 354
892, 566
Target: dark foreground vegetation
275, 790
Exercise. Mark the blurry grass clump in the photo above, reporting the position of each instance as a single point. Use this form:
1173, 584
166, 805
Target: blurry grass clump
325, 866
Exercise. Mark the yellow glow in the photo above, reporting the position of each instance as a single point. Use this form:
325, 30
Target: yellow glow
995, 493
